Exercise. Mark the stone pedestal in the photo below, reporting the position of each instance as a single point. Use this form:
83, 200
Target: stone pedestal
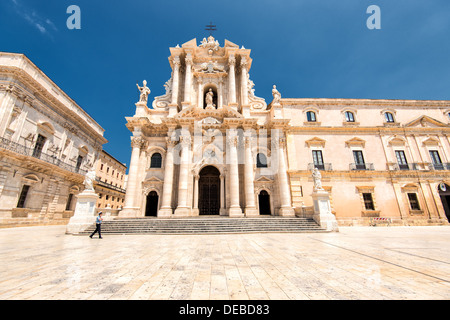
235, 212
322, 211
84, 214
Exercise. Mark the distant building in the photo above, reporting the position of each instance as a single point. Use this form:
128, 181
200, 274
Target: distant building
47, 144
110, 182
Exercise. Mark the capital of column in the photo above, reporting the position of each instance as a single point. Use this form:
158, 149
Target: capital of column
176, 62
231, 60
138, 142
244, 63
188, 59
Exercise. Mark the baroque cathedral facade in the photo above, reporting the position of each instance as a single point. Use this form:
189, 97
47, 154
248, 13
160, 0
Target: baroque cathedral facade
209, 146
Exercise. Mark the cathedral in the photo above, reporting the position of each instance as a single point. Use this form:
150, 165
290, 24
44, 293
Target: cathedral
210, 147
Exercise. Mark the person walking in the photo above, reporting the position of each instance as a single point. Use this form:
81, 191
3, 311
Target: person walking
98, 224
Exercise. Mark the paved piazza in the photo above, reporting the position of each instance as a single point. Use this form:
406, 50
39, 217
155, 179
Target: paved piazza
356, 263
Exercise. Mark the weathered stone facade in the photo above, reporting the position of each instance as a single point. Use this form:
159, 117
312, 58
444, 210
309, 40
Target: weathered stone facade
47, 144
210, 146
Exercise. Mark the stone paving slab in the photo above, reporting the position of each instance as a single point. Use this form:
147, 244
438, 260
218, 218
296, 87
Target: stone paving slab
388, 263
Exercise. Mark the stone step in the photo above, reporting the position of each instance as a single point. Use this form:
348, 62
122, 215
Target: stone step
206, 225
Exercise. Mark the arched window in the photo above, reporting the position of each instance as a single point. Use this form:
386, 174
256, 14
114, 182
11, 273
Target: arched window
156, 161
389, 117
311, 116
349, 116
261, 160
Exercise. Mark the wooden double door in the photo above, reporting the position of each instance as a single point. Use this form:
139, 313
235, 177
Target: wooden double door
209, 191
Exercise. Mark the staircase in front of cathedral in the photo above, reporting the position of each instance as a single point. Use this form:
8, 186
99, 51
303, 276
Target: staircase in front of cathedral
207, 225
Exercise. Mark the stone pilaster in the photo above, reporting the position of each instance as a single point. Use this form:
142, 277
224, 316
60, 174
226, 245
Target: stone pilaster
250, 204
283, 182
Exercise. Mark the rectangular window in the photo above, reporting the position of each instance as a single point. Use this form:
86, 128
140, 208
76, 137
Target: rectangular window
39, 146
79, 161
368, 201
311, 116
349, 117
413, 201
436, 159
401, 159
69, 202
359, 160
318, 159
23, 196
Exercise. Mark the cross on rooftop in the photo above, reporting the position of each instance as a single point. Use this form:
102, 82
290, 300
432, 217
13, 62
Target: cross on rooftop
211, 27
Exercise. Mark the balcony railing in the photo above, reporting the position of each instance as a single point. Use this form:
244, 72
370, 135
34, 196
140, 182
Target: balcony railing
30, 152
361, 166
405, 166
110, 186
439, 166
323, 166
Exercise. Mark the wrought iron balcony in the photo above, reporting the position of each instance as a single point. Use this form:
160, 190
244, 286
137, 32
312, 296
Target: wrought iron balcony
407, 166
323, 166
30, 152
110, 186
361, 166
439, 166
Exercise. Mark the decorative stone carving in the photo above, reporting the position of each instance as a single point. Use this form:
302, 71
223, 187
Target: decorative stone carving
145, 91
317, 180
276, 95
209, 100
211, 44
89, 180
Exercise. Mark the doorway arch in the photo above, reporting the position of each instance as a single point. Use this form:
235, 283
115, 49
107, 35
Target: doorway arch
151, 208
209, 191
444, 194
264, 203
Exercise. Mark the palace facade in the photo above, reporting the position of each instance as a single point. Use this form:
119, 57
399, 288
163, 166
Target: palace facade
47, 145
209, 146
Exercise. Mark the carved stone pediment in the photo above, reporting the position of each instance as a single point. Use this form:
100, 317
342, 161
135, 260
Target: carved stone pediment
425, 121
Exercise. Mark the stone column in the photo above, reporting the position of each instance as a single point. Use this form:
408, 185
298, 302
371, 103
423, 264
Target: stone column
188, 80
222, 195
235, 209
250, 204
244, 88
231, 80
195, 210
166, 205
173, 106
220, 94
183, 209
130, 208
285, 192
200, 93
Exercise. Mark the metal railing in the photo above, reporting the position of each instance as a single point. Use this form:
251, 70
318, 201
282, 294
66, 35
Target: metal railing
361, 166
110, 186
405, 166
439, 166
323, 166
30, 152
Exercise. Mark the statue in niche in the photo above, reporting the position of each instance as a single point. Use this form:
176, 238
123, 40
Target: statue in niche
145, 91
209, 100
317, 180
276, 95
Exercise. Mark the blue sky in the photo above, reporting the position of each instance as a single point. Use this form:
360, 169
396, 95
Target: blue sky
308, 48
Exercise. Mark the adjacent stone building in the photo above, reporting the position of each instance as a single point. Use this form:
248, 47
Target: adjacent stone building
209, 146
110, 182
47, 144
